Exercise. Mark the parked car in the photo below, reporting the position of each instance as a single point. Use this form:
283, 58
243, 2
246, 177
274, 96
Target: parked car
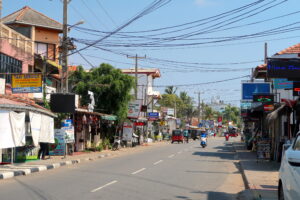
289, 173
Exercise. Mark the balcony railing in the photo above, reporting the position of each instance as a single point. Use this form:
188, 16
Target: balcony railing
16, 39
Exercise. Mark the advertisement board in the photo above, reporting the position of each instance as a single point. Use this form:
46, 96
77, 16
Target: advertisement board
245, 105
68, 128
283, 68
171, 111
134, 109
58, 148
153, 115
263, 98
127, 131
248, 89
26, 83
282, 83
296, 89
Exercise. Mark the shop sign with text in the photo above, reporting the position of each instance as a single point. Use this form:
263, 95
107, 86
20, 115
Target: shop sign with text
26, 83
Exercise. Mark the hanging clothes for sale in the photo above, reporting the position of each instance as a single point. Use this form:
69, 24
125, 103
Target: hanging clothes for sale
47, 130
17, 122
35, 125
6, 138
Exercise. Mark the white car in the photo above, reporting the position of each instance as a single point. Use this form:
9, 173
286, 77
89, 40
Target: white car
289, 173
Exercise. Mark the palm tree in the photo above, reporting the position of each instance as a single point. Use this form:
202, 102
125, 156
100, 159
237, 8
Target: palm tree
170, 90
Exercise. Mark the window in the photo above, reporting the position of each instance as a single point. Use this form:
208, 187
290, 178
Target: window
9, 65
296, 146
44, 49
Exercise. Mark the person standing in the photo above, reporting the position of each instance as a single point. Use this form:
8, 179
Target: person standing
43, 150
186, 135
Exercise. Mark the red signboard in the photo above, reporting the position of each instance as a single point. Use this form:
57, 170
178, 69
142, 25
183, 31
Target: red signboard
268, 107
139, 123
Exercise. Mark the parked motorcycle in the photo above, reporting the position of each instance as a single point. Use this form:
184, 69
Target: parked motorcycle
118, 143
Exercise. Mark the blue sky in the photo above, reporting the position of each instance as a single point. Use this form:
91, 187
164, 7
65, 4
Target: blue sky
107, 15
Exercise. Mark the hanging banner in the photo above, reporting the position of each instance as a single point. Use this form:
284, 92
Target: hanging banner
26, 83
2, 86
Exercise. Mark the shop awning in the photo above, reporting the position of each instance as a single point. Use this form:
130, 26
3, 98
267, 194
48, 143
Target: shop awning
54, 64
274, 115
109, 117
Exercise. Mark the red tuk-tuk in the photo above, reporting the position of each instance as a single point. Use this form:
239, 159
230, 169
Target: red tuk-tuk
177, 136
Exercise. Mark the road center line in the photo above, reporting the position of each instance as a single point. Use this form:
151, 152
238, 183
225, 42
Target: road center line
170, 156
99, 188
157, 162
138, 171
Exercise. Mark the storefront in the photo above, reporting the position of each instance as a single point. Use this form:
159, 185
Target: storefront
91, 128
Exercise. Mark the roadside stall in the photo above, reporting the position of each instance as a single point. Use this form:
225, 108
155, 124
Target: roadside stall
24, 126
91, 127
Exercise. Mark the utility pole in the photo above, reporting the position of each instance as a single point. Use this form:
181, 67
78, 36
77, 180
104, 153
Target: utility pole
199, 105
64, 78
136, 73
266, 53
0, 20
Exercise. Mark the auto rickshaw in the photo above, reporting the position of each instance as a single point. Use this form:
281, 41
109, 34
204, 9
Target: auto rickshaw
177, 136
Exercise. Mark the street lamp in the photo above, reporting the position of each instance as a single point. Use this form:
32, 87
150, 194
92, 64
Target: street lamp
76, 24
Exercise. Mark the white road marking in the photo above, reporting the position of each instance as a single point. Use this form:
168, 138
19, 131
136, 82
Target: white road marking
157, 162
99, 188
170, 156
138, 171
179, 152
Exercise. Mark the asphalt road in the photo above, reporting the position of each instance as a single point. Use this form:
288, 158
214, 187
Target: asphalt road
172, 171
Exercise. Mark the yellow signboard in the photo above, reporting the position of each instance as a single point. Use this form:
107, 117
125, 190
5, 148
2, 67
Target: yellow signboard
26, 83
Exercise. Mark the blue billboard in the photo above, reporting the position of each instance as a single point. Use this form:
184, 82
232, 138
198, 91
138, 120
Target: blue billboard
248, 89
282, 83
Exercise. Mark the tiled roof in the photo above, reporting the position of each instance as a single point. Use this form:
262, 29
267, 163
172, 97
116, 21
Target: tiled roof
295, 49
20, 101
29, 16
262, 67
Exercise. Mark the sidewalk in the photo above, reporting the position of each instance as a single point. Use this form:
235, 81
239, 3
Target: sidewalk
261, 177
21, 169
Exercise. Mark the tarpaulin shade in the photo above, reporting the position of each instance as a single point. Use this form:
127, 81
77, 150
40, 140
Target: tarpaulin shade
109, 117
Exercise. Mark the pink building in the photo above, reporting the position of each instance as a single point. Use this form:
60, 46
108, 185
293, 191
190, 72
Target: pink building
16, 51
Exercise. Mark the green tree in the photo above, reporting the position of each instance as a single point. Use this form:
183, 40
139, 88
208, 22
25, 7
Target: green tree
110, 86
231, 113
186, 110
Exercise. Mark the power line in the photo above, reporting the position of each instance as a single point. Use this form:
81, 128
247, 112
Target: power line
204, 83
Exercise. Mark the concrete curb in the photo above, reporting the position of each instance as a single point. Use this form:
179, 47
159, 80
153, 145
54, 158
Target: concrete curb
251, 192
29, 169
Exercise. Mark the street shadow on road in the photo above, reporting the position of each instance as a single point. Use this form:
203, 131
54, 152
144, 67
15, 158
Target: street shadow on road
224, 152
